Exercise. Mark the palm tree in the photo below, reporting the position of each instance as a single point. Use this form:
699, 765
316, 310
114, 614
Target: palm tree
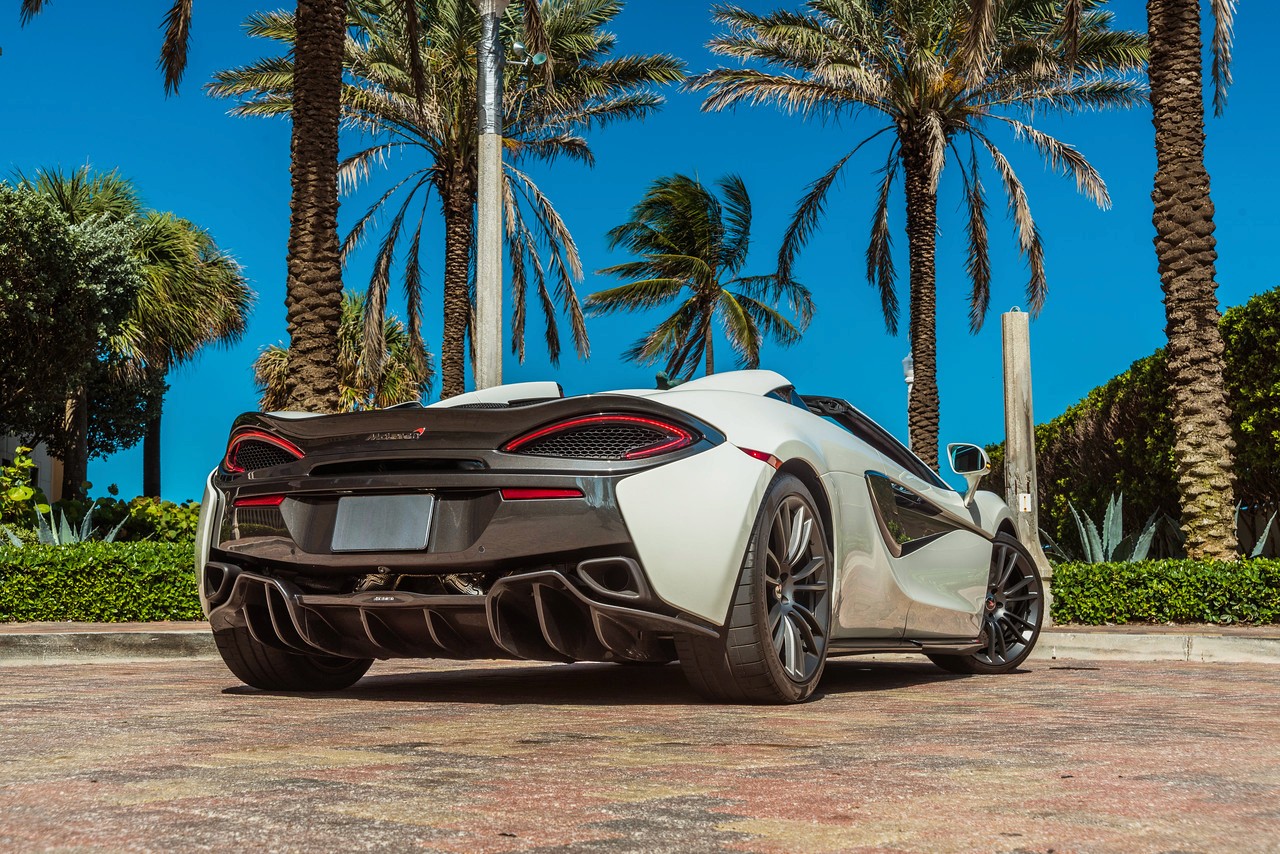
912, 61
1185, 257
591, 88
693, 244
314, 270
404, 372
195, 295
1185, 254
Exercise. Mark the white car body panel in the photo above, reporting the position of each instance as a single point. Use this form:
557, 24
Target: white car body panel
687, 521
502, 394
210, 509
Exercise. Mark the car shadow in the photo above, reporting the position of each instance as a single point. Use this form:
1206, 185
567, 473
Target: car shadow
592, 684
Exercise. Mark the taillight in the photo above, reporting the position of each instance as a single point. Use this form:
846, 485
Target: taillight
250, 450
260, 501
518, 493
604, 437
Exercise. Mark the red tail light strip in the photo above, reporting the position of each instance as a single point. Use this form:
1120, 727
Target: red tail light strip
532, 494
229, 460
260, 501
680, 437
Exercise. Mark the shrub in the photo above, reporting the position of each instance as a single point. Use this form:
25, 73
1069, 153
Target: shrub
1167, 591
99, 582
139, 519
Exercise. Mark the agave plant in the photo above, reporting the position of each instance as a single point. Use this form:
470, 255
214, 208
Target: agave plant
1110, 545
56, 530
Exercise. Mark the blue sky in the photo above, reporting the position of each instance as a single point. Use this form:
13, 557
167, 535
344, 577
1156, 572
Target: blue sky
79, 85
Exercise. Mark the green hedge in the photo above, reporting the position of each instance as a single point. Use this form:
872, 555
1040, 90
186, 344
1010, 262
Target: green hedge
1167, 591
99, 582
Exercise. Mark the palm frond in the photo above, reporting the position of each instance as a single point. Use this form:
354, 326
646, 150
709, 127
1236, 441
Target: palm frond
881, 274
177, 38
1224, 12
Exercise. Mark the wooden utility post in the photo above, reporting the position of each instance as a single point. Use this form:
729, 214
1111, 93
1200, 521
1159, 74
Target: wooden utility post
1021, 492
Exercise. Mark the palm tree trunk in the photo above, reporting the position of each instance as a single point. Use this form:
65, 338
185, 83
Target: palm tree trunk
922, 233
313, 300
711, 365
1185, 252
75, 456
151, 455
459, 228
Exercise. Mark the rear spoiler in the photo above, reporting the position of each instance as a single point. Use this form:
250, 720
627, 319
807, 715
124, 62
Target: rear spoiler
512, 393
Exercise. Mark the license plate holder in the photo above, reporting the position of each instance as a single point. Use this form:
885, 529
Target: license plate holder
383, 523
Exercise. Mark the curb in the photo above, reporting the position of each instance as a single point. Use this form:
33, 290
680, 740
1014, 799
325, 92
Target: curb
103, 646
139, 644
1136, 646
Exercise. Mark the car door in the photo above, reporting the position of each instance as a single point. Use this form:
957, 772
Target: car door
939, 556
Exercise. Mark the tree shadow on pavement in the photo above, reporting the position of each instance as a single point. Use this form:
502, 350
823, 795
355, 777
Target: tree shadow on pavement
592, 684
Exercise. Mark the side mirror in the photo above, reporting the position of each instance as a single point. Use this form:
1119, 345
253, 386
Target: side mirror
971, 463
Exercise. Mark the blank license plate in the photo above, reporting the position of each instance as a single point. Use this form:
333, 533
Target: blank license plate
378, 523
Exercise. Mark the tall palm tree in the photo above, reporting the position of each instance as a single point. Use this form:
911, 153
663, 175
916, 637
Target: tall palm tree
439, 134
692, 246
195, 295
1185, 254
404, 372
314, 270
913, 62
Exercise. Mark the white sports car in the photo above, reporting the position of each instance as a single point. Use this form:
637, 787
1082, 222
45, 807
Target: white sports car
730, 523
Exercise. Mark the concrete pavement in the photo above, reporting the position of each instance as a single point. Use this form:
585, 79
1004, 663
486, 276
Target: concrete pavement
460, 757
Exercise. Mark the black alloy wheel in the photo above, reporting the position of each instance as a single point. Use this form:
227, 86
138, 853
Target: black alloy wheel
1013, 611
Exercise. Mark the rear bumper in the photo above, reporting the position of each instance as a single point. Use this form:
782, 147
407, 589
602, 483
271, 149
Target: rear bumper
541, 615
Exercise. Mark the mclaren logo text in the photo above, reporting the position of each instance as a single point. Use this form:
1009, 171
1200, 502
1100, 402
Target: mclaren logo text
388, 437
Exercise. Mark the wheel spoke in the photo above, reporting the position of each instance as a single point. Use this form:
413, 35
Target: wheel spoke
992, 630
801, 527
810, 568
807, 616
1009, 568
1030, 596
775, 614
1029, 626
806, 632
791, 646
1026, 579
810, 588
779, 635
772, 566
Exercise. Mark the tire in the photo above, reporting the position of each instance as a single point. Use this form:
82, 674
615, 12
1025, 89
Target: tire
1014, 612
271, 669
774, 645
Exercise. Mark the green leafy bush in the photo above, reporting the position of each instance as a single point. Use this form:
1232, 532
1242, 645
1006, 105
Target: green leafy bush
138, 519
1167, 591
99, 582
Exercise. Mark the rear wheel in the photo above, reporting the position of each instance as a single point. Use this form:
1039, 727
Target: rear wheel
1012, 612
271, 669
774, 646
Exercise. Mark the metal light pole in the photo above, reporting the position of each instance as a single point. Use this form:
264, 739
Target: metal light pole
909, 374
488, 320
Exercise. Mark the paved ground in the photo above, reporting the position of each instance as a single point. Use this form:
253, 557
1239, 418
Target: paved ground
1106, 756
